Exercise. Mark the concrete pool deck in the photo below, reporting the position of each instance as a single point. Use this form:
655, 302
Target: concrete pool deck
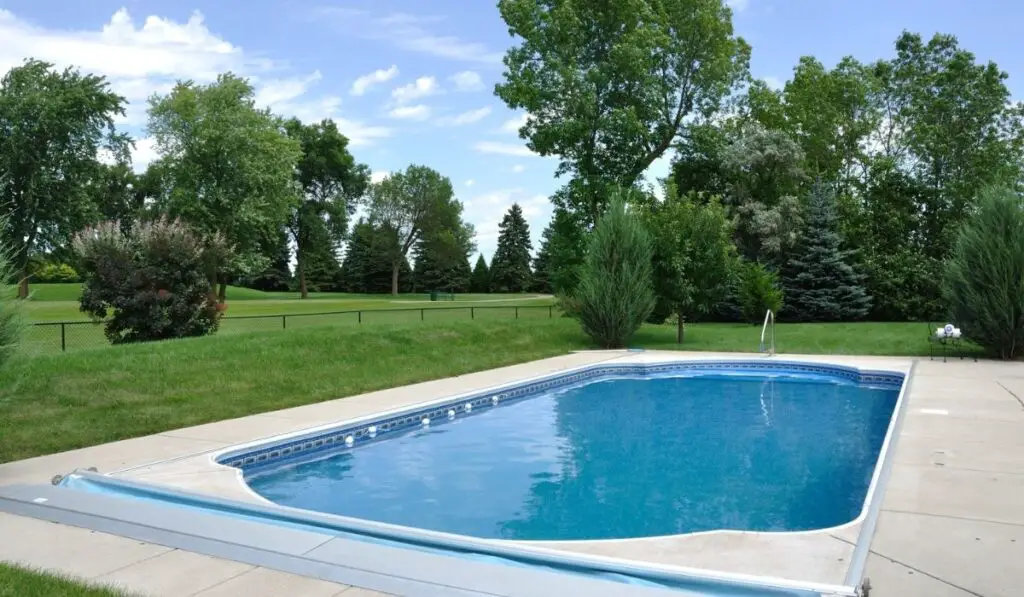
951, 522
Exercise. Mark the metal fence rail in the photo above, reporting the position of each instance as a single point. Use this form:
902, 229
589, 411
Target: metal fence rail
66, 336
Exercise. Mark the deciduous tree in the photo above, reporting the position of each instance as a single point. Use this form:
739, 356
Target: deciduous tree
53, 123
608, 85
228, 167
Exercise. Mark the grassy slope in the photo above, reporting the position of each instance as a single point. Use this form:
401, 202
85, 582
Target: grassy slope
21, 582
60, 402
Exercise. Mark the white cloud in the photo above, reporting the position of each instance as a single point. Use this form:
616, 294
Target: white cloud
467, 117
378, 175
485, 211
421, 87
417, 112
774, 83
279, 91
738, 6
365, 82
143, 153
657, 172
406, 31
518, 168
470, 182
511, 149
142, 60
513, 125
467, 80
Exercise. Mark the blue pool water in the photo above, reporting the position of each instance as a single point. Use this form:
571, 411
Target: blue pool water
616, 458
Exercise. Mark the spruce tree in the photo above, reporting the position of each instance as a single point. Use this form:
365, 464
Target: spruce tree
510, 268
819, 282
481, 280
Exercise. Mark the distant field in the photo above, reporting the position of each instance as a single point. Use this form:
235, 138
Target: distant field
59, 302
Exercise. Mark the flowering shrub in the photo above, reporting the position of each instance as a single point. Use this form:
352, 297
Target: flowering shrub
151, 284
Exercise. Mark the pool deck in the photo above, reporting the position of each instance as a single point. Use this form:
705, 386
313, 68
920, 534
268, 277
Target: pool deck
951, 523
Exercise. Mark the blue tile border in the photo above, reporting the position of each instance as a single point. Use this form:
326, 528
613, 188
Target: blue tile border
276, 453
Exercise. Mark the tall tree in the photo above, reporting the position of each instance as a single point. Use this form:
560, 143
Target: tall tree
54, 123
608, 85
442, 258
510, 268
562, 252
481, 280
228, 167
819, 282
367, 264
331, 182
412, 205
693, 255
277, 277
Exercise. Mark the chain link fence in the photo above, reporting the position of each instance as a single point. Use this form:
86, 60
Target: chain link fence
67, 336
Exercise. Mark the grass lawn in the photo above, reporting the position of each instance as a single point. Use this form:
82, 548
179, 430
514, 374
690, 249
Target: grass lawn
58, 402
59, 302
21, 582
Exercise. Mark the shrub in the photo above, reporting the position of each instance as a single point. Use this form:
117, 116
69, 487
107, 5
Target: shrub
984, 278
56, 273
12, 322
153, 283
615, 295
759, 291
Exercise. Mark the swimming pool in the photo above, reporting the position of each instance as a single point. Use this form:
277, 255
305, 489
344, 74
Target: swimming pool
611, 452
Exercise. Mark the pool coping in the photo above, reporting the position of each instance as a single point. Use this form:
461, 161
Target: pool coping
622, 360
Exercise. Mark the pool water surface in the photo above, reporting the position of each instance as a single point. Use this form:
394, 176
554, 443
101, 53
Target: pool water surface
624, 457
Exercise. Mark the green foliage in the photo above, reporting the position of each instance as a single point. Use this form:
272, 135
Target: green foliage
819, 282
480, 282
54, 123
442, 260
12, 322
984, 278
759, 291
332, 183
56, 273
278, 275
367, 266
410, 206
608, 85
150, 284
615, 295
693, 255
227, 168
562, 252
510, 268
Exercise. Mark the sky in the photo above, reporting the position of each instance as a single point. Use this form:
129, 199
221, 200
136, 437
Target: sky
411, 82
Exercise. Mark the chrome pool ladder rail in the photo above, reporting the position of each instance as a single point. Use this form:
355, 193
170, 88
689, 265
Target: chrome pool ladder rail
768, 317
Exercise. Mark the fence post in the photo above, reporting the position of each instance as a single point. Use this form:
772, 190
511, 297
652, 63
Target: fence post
472, 312
63, 339
421, 314
360, 314
517, 312
550, 313
284, 322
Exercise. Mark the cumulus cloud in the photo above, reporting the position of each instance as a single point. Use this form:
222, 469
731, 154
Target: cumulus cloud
406, 31
417, 112
420, 88
467, 80
512, 125
512, 149
365, 82
467, 117
378, 175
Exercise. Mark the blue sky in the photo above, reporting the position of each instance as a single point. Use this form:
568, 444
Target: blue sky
411, 81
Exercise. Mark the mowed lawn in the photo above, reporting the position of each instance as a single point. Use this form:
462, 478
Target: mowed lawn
21, 582
58, 402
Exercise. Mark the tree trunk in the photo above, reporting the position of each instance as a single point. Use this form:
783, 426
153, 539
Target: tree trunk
223, 292
680, 329
23, 285
300, 266
394, 279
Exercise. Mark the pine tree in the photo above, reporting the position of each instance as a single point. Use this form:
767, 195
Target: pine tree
367, 265
278, 276
481, 281
819, 282
562, 251
510, 268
